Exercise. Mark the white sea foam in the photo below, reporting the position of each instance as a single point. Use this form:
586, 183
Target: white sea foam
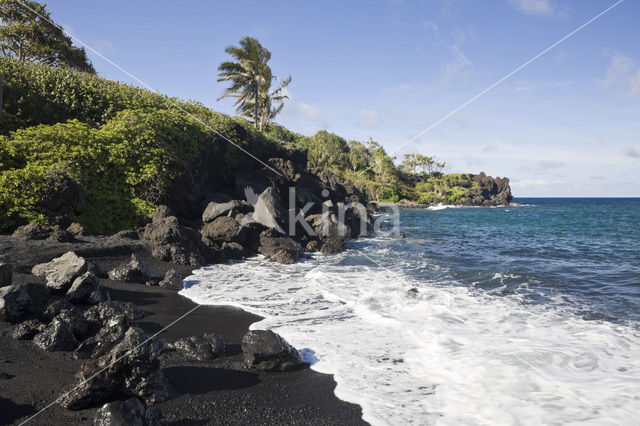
438, 207
450, 355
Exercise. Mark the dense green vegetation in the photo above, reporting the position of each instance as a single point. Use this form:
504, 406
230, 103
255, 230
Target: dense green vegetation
122, 145
418, 179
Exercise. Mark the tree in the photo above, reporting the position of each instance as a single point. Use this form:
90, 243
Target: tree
269, 104
328, 150
359, 155
250, 77
28, 33
409, 164
416, 162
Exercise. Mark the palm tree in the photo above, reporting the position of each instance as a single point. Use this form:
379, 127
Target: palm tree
250, 78
248, 74
269, 103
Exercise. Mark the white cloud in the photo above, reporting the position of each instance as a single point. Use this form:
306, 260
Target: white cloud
459, 65
534, 183
631, 152
309, 111
369, 118
535, 7
295, 110
624, 73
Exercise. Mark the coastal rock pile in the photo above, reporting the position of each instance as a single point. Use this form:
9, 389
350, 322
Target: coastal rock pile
173, 242
278, 211
490, 191
130, 368
129, 412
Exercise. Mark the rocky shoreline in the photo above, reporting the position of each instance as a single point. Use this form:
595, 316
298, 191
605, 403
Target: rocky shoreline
88, 306
205, 369
85, 309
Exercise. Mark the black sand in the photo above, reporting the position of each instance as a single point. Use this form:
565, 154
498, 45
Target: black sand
222, 391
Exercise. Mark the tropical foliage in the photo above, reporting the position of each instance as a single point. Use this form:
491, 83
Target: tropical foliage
122, 145
28, 33
250, 77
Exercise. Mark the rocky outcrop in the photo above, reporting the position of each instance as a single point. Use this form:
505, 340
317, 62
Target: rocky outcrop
172, 280
332, 232
202, 348
54, 308
14, 303
279, 248
268, 210
490, 191
32, 231
105, 339
233, 226
130, 369
61, 271
57, 336
134, 271
130, 412
19, 301
230, 208
223, 229
86, 289
60, 235
267, 351
76, 229
27, 330
99, 314
6, 274
233, 251
173, 242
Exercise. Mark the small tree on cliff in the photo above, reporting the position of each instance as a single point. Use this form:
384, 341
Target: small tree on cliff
416, 162
250, 77
27, 34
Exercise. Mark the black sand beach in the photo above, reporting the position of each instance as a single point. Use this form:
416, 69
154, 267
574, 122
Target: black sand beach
222, 391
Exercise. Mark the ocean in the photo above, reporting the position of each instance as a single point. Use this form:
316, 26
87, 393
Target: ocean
512, 315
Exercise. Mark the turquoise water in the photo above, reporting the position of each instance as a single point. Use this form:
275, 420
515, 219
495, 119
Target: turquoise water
518, 315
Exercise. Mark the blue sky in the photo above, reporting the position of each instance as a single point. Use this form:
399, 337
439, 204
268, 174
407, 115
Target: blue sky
566, 125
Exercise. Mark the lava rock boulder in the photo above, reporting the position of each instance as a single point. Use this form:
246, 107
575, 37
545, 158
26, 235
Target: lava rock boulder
267, 351
61, 271
134, 271
202, 348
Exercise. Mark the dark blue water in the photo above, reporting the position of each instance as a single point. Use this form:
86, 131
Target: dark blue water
585, 252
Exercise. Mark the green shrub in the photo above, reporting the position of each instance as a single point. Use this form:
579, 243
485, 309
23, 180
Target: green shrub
123, 168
